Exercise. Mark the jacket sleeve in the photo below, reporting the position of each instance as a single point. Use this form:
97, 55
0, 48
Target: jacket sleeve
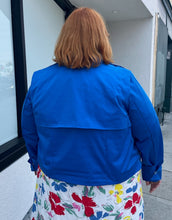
29, 131
146, 132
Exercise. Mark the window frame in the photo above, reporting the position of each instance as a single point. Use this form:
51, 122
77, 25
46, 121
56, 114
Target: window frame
168, 7
15, 148
66, 6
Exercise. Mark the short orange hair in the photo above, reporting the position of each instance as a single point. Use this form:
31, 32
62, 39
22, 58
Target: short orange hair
83, 41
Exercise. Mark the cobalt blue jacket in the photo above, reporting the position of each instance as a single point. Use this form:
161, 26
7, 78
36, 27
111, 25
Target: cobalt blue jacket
91, 126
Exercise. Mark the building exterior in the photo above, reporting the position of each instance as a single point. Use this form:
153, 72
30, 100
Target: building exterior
141, 38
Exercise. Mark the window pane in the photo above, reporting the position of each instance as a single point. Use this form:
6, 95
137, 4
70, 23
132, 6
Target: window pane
8, 115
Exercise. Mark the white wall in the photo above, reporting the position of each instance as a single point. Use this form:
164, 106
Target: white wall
43, 21
156, 6
132, 47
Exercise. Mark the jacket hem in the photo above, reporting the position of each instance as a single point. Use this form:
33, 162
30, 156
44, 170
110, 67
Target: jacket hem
90, 180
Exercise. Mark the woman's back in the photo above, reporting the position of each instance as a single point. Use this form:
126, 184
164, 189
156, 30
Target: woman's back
83, 125
95, 98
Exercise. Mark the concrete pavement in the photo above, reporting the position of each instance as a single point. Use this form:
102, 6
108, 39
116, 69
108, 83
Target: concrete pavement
158, 205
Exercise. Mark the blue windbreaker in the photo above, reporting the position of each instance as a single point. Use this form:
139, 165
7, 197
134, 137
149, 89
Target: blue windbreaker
91, 126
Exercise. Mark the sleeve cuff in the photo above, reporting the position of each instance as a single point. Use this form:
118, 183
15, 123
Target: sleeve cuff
33, 164
157, 175
151, 174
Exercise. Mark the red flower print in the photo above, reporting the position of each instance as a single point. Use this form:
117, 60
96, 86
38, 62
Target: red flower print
54, 199
38, 171
87, 202
131, 204
33, 218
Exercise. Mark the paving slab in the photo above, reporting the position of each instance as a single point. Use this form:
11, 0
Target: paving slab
167, 133
167, 124
156, 208
168, 147
158, 205
28, 215
167, 165
164, 191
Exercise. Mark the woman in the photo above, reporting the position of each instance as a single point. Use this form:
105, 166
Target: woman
89, 129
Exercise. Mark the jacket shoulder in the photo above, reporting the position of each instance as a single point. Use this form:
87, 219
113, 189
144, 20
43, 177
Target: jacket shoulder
42, 73
120, 73
45, 69
120, 68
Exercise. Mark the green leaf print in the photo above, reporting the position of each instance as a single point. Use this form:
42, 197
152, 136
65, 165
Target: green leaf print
101, 189
108, 208
71, 211
131, 179
46, 180
127, 198
39, 202
66, 205
115, 214
91, 193
118, 215
85, 191
39, 217
46, 205
58, 195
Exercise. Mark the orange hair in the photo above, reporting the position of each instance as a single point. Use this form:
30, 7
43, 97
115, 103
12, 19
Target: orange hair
83, 41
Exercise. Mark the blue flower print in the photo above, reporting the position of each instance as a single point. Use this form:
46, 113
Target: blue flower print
99, 216
141, 215
58, 187
132, 189
35, 202
35, 198
33, 207
42, 188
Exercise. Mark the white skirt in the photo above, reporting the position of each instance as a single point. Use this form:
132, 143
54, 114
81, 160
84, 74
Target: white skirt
58, 200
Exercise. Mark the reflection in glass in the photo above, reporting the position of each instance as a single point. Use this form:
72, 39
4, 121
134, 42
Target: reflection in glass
8, 118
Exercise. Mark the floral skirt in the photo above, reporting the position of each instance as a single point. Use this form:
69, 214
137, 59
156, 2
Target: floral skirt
59, 200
